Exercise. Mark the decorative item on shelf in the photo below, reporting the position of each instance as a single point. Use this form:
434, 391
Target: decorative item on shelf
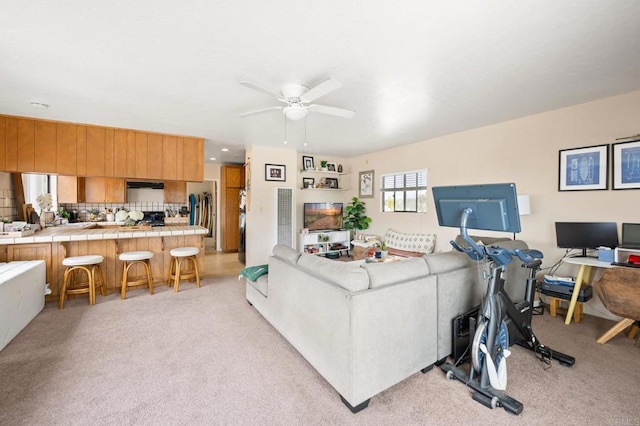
331, 167
383, 250
308, 183
339, 168
47, 217
275, 172
331, 183
323, 165
307, 163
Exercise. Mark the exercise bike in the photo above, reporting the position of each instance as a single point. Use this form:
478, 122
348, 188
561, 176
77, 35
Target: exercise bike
497, 315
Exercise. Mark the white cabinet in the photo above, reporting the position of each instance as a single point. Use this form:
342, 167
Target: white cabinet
323, 180
324, 242
621, 255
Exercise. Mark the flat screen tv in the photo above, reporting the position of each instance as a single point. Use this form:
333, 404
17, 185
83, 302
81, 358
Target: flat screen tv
586, 235
323, 216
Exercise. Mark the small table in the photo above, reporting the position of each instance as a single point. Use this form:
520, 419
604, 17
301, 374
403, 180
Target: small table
584, 274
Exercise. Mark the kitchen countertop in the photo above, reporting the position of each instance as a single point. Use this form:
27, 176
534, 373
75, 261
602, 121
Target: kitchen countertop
101, 231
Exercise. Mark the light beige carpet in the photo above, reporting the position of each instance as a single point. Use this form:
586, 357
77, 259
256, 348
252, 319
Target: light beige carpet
204, 356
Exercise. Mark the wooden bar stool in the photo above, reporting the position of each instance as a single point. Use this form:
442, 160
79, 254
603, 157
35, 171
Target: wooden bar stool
178, 255
90, 264
130, 259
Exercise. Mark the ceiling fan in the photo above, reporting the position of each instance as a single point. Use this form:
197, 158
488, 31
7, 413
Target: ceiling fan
297, 98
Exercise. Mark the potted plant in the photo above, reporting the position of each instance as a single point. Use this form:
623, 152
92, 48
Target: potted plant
383, 249
354, 217
323, 165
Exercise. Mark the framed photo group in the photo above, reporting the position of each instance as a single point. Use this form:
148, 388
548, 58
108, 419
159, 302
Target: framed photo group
587, 169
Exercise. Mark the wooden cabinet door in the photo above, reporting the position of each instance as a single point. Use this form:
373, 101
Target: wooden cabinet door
169, 161
232, 176
109, 154
95, 189
180, 158
26, 145
81, 150
193, 159
141, 155
114, 190
45, 147
66, 135
131, 153
120, 153
71, 189
155, 156
3, 143
175, 192
96, 145
11, 147
230, 219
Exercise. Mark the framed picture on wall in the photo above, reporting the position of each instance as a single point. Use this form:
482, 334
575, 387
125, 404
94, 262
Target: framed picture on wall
275, 172
307, 163
366, 184
626, 165
308, 183
584, 169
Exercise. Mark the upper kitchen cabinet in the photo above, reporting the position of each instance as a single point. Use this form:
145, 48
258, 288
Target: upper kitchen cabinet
3, 142
71, 189
175, 192
66, 148
96, 149
169, 157
120, 151
142, 154
105, 190
155, 156
193, 159
26, 148
45, 147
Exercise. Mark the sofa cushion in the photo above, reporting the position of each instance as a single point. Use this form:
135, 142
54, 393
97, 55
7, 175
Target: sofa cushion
344, 274
252, 273
287, 254
443, 262
261, 284
423, 243
385, 273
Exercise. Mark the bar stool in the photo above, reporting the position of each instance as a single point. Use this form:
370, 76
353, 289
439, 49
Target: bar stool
178, 255
89, 264
130, 259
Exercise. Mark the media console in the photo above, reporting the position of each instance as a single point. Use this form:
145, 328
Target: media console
324, 242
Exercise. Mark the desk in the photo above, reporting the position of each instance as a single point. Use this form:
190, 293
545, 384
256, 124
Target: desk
584, 274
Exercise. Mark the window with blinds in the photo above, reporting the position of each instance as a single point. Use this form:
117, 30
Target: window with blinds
405, 192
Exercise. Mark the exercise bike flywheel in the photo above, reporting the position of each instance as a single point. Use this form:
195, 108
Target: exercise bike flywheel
502, 343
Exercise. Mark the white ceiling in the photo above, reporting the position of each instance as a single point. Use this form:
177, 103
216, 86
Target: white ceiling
412, 70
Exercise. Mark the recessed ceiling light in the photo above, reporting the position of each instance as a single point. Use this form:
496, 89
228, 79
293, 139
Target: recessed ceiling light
224, 149
39, 105
212, 158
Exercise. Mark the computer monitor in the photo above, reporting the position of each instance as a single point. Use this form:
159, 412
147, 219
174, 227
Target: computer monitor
494, 207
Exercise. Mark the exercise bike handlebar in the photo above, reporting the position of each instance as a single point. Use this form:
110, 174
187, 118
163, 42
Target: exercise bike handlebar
500, 255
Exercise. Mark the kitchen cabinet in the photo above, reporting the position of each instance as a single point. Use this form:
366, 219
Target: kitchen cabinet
155, 156
42, 146
26, 145
175, 192
231, 182
105, 190
45, 147
71, 189
96, 142
3, 143
66, 135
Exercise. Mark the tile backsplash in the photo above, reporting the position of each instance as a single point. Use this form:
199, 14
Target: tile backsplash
85, 208
8, 209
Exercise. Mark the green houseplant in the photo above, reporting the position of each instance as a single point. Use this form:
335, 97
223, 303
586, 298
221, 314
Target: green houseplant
354, 217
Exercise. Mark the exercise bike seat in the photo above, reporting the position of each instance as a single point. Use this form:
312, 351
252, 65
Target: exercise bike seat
528, 255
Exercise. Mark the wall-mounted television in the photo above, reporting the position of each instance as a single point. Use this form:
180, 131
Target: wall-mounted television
586, 235
322, 216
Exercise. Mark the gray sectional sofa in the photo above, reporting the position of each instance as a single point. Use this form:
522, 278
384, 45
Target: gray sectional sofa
366, 326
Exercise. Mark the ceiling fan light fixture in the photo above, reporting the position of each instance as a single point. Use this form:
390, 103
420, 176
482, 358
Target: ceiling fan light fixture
295, 112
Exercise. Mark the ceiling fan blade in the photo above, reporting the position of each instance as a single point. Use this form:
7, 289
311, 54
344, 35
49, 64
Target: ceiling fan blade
340, 112
259, 111
329, 85
259, 88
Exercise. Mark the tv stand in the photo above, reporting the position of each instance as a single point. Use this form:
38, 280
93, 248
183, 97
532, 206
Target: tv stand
323, 242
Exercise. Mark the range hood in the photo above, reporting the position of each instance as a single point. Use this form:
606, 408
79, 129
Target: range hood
151, 185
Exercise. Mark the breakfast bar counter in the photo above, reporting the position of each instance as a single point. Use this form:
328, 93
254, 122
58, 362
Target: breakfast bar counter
55, 243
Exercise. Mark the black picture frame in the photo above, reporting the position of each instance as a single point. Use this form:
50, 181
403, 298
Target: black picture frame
275, 172
308, 182
584, 169
332, 167
625, 171
308, 163
332, 183
365, 188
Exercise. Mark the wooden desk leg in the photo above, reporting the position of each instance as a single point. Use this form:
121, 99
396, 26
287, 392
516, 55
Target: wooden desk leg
585, 270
